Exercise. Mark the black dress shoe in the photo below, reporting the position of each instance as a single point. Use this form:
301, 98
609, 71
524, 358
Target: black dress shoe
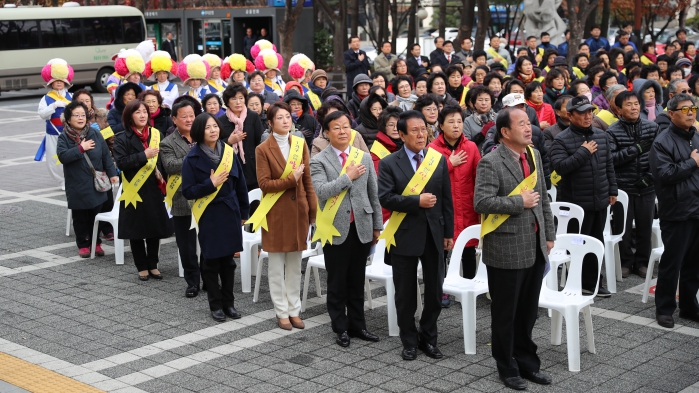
516, 383
409, 353
540, 378
232, 312
143, 278
343, 339
666, 321
429, 350
155, 276
218, 315
191, 292
688, 315
363, 335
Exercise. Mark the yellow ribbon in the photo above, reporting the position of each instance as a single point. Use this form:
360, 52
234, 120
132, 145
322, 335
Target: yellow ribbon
259, 218
495, 54
215, 85
380, 150
58, 162
607, 117
353, 136
173, 184
415, 186
325, 219
130, 189
107, 133
493, 221
200, 204
54, 94
315, 100
555, 178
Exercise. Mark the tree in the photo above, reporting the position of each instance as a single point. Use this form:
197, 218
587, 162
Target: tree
467, 19
451, 18
578, 11
412, 33
442, 17
652, 11
286, 30
483, 23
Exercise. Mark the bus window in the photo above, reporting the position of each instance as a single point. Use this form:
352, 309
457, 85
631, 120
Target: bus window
59, 33
104, 31
29, 34
133, 29
9, 36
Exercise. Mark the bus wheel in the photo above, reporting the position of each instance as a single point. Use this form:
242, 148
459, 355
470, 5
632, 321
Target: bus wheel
100, 85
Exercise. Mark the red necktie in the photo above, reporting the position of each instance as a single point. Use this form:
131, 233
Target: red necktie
448, 58
343, 155
527, 172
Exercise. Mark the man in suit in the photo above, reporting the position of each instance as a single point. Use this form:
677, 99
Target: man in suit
385, 60
423, 235
439, 51
355, 60
415, 61
358, 220
515, 253
248, 42
444, 59
169, 46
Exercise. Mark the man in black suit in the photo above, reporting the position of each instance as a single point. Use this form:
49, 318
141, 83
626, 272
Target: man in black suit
415, 61
438, 42
444, 59
355, 60
169, 46
423, 235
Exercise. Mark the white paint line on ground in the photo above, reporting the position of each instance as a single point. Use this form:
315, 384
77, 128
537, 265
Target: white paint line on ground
34, 198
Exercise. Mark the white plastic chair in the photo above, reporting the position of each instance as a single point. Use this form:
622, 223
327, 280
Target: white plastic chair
466, 290
111, 217
570, 301
612, 261
381, 272
655, 255
564, 212
69, 221
553, 193
251, 242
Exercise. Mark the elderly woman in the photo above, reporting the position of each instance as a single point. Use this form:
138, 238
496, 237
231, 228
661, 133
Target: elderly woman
369, 112
213, 104
428, 105
547, 60
402, 87
212, 170
387, 141
437, 84
650, 96
159, 115
478, 76
483, 117
524, 71
144, 222
534, 95
82, 151
420, 86
242, 129
124, 94
556, 83
400, 67
380, 79
85, 97
289, 218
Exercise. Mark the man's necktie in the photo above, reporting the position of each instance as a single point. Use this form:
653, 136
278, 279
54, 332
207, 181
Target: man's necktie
343, 155
527, 172
418, 159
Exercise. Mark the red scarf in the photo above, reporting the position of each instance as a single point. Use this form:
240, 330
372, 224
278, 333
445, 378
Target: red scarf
526, 79
142, 135
153, 116
651, 57
536, 107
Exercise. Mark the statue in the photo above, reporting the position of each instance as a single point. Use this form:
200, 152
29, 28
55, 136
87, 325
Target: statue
541, 16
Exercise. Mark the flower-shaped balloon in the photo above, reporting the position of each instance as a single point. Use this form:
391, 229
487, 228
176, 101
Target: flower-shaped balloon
129, 61
235, 62
299, 65
193, 67
160, 61
213, 60
267, 60
261, 45
57, 70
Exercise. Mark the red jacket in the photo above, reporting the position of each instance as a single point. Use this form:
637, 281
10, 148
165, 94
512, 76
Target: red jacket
544, 112
463, 181
385, 141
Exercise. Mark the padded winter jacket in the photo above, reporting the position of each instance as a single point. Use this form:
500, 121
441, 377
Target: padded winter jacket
631, 165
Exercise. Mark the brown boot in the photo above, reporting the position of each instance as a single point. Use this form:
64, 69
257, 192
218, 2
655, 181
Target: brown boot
297, 322
284, 323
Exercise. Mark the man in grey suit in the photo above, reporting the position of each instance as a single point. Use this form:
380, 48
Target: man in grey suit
358, 220
173, 149
515, 252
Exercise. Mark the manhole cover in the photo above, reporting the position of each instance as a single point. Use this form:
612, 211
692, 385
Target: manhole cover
9, 209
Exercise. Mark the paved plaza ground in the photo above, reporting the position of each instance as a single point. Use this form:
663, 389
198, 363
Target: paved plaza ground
95, 322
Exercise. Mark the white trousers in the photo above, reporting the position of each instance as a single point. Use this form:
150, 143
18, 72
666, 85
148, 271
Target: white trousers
56, 171
285, 289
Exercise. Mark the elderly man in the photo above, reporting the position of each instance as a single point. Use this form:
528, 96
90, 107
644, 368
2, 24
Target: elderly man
581, 156
385, 60
674, 160
606, 117
677, 86
421, 235
515, 254
497, 54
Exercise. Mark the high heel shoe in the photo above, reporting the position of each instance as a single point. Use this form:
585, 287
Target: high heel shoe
284, 323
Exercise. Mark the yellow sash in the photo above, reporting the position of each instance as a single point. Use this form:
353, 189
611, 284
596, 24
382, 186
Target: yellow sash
130, 189
173, 184
495, 54
493, 221
462, 101
216, 86
555, 178
380, 150
578, 72
315, 100
53, 94
269, 199
107, 133
353, 136
646, 61
200, 204
325, 230
415, 186
607, 117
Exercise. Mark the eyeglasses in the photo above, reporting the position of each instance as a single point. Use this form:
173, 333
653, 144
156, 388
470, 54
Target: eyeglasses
685, 91
430, 109
686, 109
83, 116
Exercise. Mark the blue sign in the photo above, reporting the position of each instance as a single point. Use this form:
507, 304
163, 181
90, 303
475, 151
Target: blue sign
282, 3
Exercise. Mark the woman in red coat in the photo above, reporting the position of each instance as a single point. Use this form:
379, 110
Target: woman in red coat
462, 159
387, 140
534, 94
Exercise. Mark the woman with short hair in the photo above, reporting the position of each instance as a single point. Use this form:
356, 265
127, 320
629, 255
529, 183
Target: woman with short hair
402, 87
483, 117
160, 116
213, 104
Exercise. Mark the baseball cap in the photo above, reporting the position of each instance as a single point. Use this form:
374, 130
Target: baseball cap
683, 61
579, 104
513, 99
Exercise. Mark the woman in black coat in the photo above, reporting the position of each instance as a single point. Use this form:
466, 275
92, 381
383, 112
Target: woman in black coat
220, 235
160, 117
148, 219
242, 129
369, 112
77, 142
125, 93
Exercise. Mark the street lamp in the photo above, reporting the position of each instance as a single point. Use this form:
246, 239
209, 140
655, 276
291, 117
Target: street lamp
421, 14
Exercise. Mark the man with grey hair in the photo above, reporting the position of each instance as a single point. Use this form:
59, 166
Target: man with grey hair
606, 117
674, 161
676, 86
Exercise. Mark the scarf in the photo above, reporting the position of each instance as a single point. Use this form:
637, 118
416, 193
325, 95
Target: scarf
75, 135
483, 118
315, 89
406, 104
213, 154
238, 123
153, 116
455, 93
526, 79
620, 67
651, 57
536, 107
650, 107
142, 135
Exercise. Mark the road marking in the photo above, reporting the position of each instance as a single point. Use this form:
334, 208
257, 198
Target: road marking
37, 379
34, 198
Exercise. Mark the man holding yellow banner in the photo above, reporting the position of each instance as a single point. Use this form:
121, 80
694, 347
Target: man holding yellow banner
348, 224
518, 234
414, 184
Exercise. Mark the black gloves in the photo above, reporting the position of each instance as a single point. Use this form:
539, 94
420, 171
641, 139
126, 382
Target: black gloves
478, 138
645, 181
644, 145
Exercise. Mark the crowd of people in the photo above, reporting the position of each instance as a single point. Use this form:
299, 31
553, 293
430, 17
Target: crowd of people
421, 149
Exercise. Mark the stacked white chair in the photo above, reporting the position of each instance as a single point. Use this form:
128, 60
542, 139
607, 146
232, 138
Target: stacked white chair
379, 271
655, 255
466, 290
553, 193
251, 242
564, 212
569, 302
612, 261
111, 217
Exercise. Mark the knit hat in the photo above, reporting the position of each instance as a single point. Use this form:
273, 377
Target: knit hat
193, 67
560, 61
361, 78
213, 60
160, 61
57, 70
261, 45
299, 65
268, 59
683, 61
128, 62
318, 74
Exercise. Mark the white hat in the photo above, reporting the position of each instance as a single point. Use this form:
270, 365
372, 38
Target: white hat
513, 99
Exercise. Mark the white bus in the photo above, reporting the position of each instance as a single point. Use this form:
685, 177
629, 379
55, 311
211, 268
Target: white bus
86, 37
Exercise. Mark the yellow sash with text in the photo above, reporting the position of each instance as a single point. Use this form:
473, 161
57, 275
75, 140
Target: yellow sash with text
130, 189
415, 186
173, 184
380, 150
493, 221
200, 204
325, 230
259, 218
555, 178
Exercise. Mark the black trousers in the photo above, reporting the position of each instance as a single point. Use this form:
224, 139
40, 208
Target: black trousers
469, 264
145, 260
83, 221
405, 281
679, 261
592, 225
105, 227
346, 267
515, 301
641, 209
186, 240
211, 270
